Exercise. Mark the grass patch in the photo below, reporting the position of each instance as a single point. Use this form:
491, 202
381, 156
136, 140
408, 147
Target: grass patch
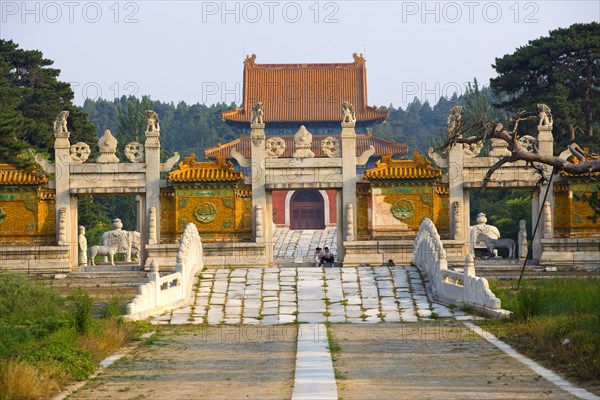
48, 341
556, 322
334, 349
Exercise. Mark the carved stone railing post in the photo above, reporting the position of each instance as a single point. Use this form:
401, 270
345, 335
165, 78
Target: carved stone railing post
154, 278
458, 232
259, 224
547, 215
62, 226
152, 223
350, 222
468, 274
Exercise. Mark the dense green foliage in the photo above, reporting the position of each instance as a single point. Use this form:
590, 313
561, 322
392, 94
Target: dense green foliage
31, 96
504, 208
193, 128
183, 128
552, 297
556, 321
561, 70
48, 340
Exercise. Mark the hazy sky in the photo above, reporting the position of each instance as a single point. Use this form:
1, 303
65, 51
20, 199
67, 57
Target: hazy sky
193, 51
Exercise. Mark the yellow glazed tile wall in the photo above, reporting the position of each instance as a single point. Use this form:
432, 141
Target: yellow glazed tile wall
362, 213
422, 202
572, 215
19, 216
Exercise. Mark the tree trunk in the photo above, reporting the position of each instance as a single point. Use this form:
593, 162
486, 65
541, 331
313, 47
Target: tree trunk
571, 131
586, 100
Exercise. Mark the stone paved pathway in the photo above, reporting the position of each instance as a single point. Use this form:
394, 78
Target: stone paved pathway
291, 245
310, 294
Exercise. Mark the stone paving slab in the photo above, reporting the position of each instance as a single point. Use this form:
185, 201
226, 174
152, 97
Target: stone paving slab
313, 294
315, 379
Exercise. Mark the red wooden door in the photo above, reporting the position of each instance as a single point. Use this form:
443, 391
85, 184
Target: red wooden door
307, 210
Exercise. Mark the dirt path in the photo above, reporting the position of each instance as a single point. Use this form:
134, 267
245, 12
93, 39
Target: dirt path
436, 360
200, 362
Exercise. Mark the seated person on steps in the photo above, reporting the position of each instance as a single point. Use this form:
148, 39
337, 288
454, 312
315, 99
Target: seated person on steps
326, 256
318, 253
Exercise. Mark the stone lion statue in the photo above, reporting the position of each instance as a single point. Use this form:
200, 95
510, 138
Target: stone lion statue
454, 118
60, 124
256, 117
153, 123
545, 115
348, 110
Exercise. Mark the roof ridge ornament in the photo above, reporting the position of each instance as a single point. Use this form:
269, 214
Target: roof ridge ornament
250, 60
358, 59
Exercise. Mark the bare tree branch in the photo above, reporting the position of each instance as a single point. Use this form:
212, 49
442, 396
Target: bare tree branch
494, 130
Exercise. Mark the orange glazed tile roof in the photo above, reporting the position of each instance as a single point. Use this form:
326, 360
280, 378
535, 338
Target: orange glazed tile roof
305, 92
10, 175
418, 168
219, 170
243, 145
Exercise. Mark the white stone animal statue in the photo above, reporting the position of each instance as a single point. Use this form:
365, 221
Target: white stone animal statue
125, 242
348, 111
257, 113
60, 124
102, 251
133, 237
153, 124
118, 240
493, 244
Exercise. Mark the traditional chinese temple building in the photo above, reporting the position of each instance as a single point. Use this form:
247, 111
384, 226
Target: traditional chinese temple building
308, 95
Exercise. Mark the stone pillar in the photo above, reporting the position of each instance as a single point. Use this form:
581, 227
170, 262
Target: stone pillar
65, 234
339, 225
259, 188
349, 178
535, 239
456, 193
152, 197
546, 147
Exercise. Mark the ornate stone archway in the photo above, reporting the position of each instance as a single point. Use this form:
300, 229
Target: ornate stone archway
75, 176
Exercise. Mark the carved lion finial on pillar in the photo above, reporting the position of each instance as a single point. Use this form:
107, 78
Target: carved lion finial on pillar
60, 124
349, 114
545, 115
256, 117
153, 124
454, 118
